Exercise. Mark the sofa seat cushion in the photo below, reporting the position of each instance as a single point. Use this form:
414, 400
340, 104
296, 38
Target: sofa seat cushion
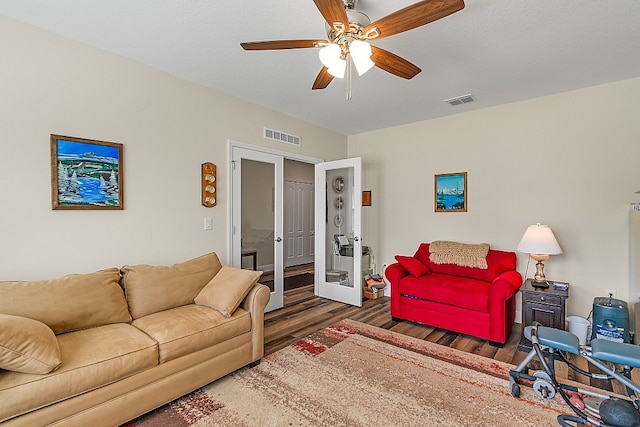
190, 328
91, 358
456, 291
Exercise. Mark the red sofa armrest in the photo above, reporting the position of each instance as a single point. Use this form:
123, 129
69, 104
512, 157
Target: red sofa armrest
502, 305
505, 285
394, 273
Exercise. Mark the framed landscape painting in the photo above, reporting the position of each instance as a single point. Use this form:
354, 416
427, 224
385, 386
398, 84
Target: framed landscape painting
86, 174
450, 193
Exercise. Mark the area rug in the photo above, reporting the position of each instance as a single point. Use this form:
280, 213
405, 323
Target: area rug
352, 374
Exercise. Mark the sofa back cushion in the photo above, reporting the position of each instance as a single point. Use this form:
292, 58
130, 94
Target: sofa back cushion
497, 263
73, 302
150, 289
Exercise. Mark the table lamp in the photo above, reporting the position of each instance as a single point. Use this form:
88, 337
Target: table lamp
539, 242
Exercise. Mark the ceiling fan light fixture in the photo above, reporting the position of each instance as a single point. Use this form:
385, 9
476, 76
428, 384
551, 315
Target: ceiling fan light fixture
361, 54
338, 69
331, 57
345, 25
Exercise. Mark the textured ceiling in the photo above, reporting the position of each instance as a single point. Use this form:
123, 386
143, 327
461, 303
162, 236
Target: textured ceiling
498, 50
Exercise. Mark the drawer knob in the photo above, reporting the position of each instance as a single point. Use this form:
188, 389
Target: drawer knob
542, 298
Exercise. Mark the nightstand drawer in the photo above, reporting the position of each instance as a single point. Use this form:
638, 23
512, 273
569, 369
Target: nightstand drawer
543, 298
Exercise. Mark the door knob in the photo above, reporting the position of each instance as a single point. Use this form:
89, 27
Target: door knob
279, 239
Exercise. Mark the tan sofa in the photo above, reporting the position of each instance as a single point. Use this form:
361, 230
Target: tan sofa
100, 349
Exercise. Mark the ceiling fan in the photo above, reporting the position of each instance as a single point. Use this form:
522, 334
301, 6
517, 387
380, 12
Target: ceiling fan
349, 31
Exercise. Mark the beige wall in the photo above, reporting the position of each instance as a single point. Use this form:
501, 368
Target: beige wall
50, 85
586, 145
571, 161
299, 171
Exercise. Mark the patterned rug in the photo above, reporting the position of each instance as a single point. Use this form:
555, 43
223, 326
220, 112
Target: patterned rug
352, 374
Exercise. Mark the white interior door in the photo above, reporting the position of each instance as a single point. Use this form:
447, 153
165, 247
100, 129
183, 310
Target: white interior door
257, 188
299, 227
338, 254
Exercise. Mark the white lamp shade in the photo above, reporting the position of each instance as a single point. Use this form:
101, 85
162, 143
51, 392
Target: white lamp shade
539, 239
361, 53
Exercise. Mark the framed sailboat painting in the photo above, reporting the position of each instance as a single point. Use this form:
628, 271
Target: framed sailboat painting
86, 174
450, 193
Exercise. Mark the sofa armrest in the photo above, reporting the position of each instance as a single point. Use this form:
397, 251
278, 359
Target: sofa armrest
394, 273
502, 304
506, 285
255, 303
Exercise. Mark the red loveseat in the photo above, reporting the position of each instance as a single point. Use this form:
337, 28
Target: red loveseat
472, 301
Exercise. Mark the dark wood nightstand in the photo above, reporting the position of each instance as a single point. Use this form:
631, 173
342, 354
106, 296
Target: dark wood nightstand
544, 305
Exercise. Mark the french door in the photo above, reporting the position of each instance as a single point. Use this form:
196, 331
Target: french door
338, 254
257, 187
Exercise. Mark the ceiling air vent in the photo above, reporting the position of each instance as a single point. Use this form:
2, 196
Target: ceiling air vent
459, 100
276, 135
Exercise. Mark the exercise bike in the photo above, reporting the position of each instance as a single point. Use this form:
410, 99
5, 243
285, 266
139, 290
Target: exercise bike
551, 344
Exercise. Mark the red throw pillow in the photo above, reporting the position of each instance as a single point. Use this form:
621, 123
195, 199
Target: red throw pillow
412, 265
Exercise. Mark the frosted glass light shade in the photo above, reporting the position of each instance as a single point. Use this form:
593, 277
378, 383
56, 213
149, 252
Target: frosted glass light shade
338, 69
331, 57
361, 54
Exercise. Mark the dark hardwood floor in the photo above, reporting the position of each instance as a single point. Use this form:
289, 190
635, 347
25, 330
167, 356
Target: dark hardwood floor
304, 313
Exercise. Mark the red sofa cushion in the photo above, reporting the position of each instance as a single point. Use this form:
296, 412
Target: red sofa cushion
414, 266
458, 291
497, 263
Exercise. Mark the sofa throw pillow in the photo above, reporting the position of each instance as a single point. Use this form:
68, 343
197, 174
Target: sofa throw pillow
227, 289
27, 346
414, 266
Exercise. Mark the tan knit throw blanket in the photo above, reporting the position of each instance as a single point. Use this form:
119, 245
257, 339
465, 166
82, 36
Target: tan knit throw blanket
462, 254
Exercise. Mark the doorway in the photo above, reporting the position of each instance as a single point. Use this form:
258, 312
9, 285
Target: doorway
260, 227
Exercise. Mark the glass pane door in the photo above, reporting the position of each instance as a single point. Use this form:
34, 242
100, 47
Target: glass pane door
339, 260
257, 218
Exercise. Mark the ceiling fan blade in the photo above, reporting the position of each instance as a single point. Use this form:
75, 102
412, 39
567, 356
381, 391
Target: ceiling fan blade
282, 44
393, 64
414, 16
333, 11
323, 79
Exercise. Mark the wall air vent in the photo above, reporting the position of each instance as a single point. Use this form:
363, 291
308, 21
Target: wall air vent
459, 100
276, 135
